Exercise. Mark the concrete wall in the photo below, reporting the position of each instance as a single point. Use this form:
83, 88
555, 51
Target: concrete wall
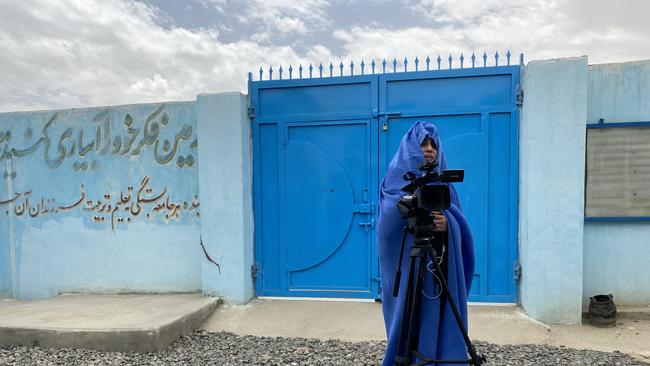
100, 200
107, 199
225, 179
552, 158
616, 254
7, 251
117, 198
619, 92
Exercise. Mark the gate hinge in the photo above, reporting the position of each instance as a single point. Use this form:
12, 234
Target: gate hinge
251, 112
517, 271
519, 97
254, 270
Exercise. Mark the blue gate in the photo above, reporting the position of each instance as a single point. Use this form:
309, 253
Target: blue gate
321, 147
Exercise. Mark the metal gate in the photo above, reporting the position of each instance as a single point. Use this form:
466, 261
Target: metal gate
321, 147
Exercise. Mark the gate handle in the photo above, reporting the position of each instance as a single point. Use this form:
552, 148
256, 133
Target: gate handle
376, 113
384, 117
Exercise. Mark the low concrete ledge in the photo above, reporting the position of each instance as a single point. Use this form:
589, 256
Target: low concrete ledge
629, 312
139, 323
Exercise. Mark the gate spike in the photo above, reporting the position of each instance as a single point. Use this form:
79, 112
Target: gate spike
320, 69
473, 59
508, 57
484, 58
261, 72
300, 71
428, 61
351, 68
280, 72
521, 59
416, 63
271, 73
439, 59
290, 71
331, 68
311, 69
383, 64
405, 64
394, 65
341, 68
362, 66
462, 58
450, 59
496, 58
373, 64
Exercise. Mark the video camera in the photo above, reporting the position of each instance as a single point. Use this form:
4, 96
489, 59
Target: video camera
424, 195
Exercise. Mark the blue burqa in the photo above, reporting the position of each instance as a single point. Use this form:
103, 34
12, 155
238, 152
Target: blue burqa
440, 337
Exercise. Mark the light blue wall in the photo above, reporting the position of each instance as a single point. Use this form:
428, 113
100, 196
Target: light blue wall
616, 255
6, 254
225, 180
616, 262
552, 157
619, 92
106, 199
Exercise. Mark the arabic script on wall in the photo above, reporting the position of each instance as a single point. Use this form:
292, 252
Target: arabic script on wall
74, 143
114, 209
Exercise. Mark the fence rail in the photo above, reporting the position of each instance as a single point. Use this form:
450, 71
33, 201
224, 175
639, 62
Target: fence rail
430, 65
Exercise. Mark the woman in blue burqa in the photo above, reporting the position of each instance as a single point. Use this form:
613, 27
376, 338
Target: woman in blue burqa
439, 334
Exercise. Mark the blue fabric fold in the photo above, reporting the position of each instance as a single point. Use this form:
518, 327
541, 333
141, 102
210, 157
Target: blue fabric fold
440, 337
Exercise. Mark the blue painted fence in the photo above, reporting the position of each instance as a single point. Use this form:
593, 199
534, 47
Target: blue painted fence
321, 147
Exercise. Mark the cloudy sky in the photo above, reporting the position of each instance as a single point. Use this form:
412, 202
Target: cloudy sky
72, 53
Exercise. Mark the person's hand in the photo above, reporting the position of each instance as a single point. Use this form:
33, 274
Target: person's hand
439, 221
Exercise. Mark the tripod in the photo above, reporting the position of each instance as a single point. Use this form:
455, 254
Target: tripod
422, 250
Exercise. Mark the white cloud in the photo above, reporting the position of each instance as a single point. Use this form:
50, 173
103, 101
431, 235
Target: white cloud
90, 52
540, 28
469, 12
114, 52
281, 16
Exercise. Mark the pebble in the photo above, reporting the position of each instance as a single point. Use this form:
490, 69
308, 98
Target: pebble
203, 348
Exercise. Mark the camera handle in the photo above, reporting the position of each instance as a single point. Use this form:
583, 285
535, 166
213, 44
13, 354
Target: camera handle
420, 252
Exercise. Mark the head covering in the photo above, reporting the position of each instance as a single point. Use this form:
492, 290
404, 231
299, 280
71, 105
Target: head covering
440, 337
408, 157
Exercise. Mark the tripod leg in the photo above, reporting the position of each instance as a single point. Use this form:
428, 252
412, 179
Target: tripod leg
414, 318
402, 356
398, 273
475, 358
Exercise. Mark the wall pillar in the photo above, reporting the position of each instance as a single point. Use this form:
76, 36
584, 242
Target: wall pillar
225, 186
552, 153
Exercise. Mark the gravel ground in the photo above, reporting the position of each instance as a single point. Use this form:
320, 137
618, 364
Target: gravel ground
203, 348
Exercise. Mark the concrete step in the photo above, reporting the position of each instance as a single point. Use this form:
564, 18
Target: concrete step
633, 312
140, 323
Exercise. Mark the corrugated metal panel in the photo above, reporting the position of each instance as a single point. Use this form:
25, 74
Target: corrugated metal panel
618, 172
